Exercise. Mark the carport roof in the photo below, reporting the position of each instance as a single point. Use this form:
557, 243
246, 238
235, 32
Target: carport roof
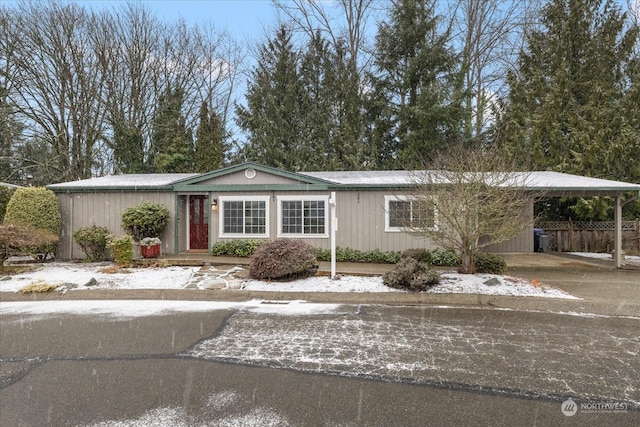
553, 183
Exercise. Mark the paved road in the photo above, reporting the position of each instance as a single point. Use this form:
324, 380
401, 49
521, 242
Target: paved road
340, 365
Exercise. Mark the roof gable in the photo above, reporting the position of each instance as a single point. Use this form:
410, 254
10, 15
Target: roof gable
250, 175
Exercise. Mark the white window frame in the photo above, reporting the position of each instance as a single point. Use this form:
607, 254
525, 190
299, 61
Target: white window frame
410, 199
221, 202
303, 199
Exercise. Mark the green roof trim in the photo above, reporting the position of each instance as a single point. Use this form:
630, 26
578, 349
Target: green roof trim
251, 165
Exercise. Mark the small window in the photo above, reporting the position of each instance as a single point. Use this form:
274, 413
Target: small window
403, 212
241, 216
302, 216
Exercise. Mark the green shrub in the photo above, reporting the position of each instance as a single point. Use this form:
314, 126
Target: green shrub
445, 258
282, 259
419, 254
354, 255
490, 263
5, 196
236, 247
93, 241
145, 220
34, 206
121, 248
411, 275
16, 240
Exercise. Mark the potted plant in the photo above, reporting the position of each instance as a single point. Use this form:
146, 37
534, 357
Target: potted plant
150, 247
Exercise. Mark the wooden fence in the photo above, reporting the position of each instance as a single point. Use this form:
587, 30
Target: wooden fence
595, 236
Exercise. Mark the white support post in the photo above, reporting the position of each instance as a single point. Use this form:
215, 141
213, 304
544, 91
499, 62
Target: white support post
618, 233
334, 229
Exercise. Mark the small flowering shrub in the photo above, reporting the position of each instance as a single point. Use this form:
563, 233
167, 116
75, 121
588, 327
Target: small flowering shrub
411, 275
282, 259
121, 248
150, 241
93, 241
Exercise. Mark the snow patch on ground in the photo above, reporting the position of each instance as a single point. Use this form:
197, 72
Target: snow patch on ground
78, 276
628, 259
126, 309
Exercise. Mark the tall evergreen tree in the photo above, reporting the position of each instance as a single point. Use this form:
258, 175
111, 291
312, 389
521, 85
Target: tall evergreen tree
571, 105
210, 147
172, 141
273, 115
415, 74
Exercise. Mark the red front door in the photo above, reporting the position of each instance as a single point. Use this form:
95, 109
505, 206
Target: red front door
198, 222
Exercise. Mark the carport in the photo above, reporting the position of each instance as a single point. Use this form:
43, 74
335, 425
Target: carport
555, 184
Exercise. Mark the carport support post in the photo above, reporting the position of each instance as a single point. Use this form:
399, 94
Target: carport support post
334, 228
618, 234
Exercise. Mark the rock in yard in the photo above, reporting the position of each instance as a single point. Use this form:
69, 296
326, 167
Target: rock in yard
92, 282
494, 281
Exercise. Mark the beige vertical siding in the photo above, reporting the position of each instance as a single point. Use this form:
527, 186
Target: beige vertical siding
361, 220
105, 209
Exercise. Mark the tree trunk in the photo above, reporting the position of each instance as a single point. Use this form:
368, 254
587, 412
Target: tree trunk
468, 262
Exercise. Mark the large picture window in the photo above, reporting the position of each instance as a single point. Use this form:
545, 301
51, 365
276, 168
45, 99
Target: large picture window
244, 216
302, 216
402, 212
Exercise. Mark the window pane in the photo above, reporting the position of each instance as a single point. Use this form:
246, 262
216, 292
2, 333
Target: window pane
232, 217
255, 215
423, 214
291, 217
399, 213
314, 217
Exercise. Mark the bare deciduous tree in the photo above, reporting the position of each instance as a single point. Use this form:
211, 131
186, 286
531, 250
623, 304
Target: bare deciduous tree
489, 36
478, 202
60, 90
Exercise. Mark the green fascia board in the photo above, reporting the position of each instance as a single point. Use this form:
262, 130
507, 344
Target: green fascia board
183, 188
247, 165
113, 189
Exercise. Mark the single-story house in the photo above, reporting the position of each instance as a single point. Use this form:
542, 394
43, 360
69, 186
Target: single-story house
253, 201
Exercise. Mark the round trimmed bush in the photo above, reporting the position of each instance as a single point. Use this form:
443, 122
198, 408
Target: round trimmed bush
34, 206
282, 259
490, 263
419, 254
145, 220
93, 241
411, 275
24, 240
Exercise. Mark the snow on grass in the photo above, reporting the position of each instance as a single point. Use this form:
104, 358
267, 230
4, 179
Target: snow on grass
80, 274
77, 276
450, 283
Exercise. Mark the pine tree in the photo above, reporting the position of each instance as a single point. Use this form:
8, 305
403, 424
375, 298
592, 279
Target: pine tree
570, 106
171, 139
415, 75
273, 116
210, 147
